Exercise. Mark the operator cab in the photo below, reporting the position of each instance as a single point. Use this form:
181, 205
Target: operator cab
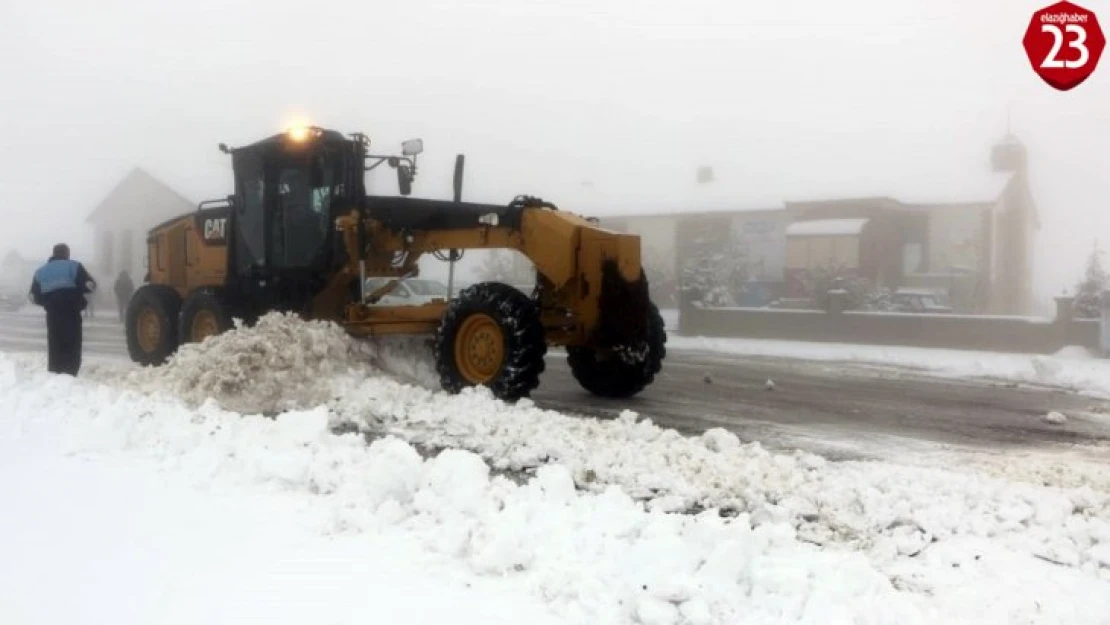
288, 190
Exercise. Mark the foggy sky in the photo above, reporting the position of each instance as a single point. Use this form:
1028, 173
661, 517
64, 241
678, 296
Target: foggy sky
784, 100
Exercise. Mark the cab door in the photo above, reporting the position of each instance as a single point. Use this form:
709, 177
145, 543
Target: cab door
249, 246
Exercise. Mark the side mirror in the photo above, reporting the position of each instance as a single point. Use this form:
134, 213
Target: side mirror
412, 147
404, 179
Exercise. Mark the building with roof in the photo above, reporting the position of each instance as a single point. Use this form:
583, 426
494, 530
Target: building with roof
16, 272
971, 238
121, 220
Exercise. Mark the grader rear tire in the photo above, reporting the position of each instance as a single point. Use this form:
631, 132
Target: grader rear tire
492, 336
152, 324
606, 373
204, 314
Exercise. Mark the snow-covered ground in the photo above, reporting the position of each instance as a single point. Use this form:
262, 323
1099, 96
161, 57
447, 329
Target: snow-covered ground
1072, 368
160, 496
99, 536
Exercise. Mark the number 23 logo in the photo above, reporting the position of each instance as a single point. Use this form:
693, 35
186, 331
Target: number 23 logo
1058, 38
1064, 43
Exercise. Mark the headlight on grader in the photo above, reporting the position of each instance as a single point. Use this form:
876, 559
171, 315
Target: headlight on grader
299, 133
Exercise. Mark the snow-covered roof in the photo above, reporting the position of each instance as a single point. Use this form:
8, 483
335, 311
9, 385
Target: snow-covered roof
979, 188
142, 197
648, 197
826, 227
911, 188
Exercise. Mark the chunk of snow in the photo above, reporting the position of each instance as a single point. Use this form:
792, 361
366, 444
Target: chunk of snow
1074, 352
720, 440
1055, 418
1101, 554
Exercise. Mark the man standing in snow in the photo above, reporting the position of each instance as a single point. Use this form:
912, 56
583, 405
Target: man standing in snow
59, 287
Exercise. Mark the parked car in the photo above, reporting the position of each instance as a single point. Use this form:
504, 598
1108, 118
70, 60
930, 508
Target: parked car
921, 301
411, 292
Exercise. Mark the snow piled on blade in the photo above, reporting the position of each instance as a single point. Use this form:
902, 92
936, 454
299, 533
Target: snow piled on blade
280, 363
407, 359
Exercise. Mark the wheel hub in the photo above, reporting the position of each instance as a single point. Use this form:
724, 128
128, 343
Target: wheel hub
204, 325
479, 349
149, 329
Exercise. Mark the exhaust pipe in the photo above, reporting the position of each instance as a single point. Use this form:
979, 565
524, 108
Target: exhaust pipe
455, 255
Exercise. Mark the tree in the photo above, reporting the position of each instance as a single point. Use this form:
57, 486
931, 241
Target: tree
880, 299
1088, 295
856, 292
715, 267
822, 282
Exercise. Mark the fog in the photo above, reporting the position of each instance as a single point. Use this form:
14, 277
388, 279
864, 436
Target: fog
567, 100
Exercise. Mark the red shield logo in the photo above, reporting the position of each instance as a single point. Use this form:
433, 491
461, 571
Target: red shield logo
1064, 43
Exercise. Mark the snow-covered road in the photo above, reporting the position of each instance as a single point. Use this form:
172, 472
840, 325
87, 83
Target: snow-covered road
142, 501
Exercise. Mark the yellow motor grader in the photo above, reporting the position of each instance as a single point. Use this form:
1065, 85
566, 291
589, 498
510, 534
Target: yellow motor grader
301, 235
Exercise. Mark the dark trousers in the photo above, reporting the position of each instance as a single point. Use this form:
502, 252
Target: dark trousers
63, 339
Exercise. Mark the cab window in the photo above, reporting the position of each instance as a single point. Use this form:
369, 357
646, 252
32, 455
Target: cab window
250, 182
302, 211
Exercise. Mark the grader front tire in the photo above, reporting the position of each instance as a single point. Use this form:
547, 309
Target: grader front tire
492, 336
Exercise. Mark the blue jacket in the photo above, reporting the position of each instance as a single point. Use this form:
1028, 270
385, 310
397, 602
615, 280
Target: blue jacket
61, 283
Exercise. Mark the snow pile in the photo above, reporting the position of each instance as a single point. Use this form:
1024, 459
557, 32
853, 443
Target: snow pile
938, 547
1074, 352
286, 363
591, 557
151, 547
1068, 369
280, 363
890, 511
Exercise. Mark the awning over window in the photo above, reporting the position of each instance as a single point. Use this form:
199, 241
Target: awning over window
826, 227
